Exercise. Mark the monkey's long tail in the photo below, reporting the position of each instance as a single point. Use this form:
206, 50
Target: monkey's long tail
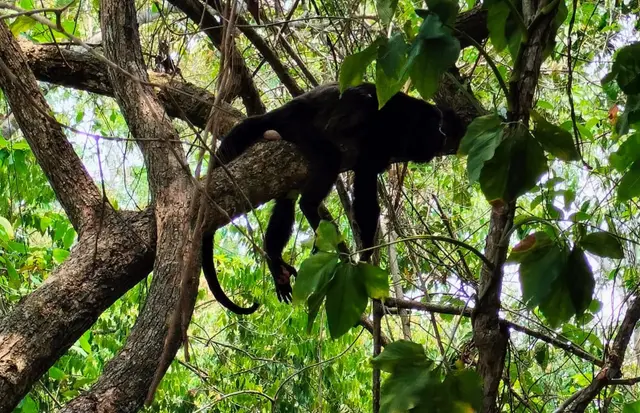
211, 276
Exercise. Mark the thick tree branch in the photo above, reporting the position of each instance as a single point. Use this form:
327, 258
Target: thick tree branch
489, 335
172, 191
69, 179
82, 71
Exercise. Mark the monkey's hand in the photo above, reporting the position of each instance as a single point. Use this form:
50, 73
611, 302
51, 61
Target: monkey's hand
282, 272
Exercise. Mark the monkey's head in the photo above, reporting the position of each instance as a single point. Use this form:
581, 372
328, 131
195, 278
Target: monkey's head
454, 128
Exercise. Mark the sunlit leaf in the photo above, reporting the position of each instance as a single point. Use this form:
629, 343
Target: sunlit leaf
6, 226
327, 237
482, 138
316, 271
376, 280
353, 66
346, 299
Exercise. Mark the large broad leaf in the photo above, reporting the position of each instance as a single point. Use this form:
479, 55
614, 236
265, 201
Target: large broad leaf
504, 29
400, 353
353, 66
515, 168
315, 272
580, 281
390, 76
572, 292
464, 388
346, 299
542, 262
628, 153
480, 141
447, 10
603, 244
631, 115
434, 50
630, 184
376, 280
327, 237
6, 226
554, 139
631, 407
626, 69
386, 10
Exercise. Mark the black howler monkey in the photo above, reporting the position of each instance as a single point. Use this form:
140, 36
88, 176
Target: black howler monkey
320, 123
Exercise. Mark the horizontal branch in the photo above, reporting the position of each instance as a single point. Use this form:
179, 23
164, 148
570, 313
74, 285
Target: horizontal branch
563, 344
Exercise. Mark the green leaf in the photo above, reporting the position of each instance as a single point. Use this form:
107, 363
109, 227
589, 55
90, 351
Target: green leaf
480, 141
22, 24
629, 186
346, 300
69, 237
515, 168
541, 263
59, 255
464, 389
316, 271
56, 374
84, 341
580, 281
386, 10
497, 17
541, 354
554, 139
392, 57
400, 353
630, 116
353, 66
626, 68
447, 10
327, 237
433, 52
14, 278
7, 227
627, 153
504, 27
28, 405
631, 407
376, 280
603, 244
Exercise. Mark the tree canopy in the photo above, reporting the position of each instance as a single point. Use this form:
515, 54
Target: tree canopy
504, 274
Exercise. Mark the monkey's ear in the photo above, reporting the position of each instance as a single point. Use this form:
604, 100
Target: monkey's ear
272, 135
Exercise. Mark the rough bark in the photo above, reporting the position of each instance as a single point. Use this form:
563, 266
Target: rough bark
171, 187
82, 71
490, 337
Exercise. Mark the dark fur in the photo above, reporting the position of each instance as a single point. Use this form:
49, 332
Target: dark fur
319, 123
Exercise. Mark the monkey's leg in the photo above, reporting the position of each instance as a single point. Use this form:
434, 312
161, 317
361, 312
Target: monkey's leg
278, 233
366, 210
324, 167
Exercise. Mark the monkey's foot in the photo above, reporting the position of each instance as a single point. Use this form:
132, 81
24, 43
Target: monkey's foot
282, 272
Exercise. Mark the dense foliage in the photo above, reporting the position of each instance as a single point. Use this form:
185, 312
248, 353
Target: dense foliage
574, 173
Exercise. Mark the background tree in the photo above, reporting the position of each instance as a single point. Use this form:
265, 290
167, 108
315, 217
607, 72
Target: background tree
512, 269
